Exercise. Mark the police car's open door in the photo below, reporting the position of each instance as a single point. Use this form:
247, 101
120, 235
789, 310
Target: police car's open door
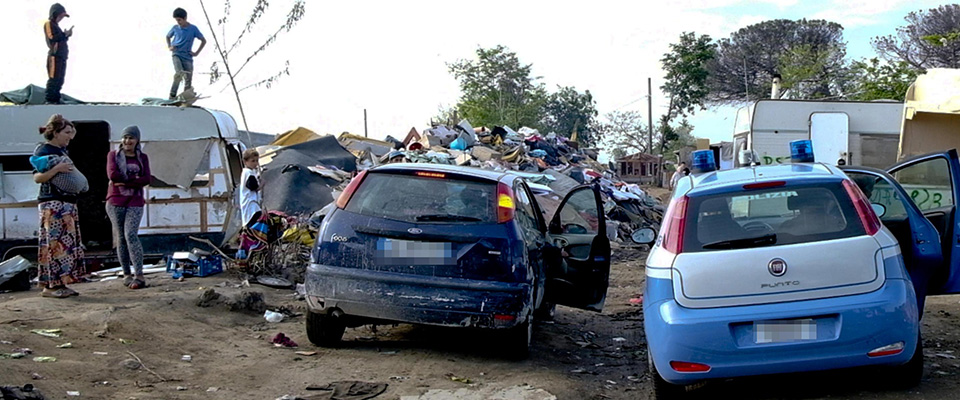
918, 238
931, 182
578, 230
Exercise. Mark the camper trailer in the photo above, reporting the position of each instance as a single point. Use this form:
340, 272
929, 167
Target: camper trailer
843, 132
195, 164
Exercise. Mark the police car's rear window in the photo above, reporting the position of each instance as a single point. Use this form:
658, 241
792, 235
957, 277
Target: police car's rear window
425, 199
770, 217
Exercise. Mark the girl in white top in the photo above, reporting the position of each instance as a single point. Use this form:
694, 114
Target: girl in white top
250, 187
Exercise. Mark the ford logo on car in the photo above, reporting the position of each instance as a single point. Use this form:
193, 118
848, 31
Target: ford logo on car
415, 231
777, 267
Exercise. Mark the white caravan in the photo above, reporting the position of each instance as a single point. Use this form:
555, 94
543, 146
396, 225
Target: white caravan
859, 133
194, 162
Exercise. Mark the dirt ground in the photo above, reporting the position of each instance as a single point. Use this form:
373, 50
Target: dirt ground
580, 355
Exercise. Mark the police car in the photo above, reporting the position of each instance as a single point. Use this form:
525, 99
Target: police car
788, 268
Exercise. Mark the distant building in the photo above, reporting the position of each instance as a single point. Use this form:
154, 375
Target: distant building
639, 168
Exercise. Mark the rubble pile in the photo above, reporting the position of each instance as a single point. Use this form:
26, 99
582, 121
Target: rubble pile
551, 164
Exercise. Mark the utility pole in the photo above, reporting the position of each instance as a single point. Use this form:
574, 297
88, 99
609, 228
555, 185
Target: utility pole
649, 115
659, 178
365, 123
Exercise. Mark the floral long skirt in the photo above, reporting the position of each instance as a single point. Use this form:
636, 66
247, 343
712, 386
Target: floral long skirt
60, 258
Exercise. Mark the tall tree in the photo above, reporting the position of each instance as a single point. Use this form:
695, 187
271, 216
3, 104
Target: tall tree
686, 80
230, 69
748, 60
872, 80
496, 89
623, 133
568, 111
930, 39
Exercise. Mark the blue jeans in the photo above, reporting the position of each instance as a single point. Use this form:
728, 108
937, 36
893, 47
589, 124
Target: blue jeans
182, 70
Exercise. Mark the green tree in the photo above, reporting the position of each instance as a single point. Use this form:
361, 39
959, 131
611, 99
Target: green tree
497, 89
872, 80
930, 39
686, 80
623, 133
568, 111
747, 61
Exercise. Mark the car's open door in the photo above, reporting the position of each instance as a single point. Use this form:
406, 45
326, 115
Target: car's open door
931, 182
579, 275
918, 238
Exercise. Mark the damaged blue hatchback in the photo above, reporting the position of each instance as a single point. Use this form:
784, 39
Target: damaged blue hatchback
453, 246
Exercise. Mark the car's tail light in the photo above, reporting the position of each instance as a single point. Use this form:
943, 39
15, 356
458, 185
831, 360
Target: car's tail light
887, 350
869, 218
674, 222
505, 204
682, 366
351, 188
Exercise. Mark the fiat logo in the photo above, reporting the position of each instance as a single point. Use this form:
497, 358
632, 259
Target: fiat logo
415, 231
777, 267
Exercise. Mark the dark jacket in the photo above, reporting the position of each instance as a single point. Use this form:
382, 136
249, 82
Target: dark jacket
56, 39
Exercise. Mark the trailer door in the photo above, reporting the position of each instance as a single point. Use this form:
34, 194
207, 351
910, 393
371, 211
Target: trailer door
830, 132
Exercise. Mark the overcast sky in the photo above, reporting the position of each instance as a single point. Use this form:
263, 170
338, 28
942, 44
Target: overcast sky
390, 57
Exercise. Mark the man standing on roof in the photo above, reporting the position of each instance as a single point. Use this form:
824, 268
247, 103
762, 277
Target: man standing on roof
183, 34
56, 52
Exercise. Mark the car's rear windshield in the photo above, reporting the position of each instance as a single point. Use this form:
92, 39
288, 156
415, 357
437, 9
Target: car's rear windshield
770, 217
425, 199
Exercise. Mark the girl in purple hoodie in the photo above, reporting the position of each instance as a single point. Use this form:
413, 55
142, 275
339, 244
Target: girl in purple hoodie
129, 171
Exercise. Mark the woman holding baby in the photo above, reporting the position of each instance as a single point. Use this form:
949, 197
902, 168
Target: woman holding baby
60, 255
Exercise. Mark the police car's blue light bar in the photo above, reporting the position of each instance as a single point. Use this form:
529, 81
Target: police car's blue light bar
801, 151
703, 161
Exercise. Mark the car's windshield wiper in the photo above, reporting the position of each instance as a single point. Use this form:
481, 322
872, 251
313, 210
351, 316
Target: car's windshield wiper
447, 217
759, 241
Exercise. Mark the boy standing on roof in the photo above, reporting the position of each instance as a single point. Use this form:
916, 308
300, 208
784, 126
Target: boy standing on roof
183, 34
56, 52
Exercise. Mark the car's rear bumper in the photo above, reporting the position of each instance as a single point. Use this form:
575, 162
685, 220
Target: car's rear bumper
417, 299
847, 329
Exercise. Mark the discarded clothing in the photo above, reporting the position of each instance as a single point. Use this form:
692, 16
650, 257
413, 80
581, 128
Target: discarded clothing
282, 340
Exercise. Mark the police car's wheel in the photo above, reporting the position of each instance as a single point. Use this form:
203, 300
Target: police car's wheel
908, 375
663, 390
518, 341
324, 330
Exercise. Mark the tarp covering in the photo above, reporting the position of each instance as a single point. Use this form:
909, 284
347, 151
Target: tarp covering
33, 95
176, 162
289, 185
295, 136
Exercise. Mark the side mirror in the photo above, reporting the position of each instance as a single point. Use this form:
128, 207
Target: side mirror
644, 236
879, 209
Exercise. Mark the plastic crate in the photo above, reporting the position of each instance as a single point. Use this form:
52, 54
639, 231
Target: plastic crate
205, 266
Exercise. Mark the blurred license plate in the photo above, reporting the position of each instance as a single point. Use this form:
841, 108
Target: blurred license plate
786, 331
394, 252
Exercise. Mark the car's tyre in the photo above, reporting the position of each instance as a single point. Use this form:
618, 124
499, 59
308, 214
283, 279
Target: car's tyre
663, 390
908, 376
517, 341
545, 312
324, 330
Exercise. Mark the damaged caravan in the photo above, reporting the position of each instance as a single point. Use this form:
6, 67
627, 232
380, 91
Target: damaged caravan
195, 164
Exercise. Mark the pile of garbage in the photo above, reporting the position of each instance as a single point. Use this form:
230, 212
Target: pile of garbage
552, 165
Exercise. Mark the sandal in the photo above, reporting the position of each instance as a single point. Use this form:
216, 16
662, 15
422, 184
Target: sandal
138, 283
71, 292
58, 293
127, 280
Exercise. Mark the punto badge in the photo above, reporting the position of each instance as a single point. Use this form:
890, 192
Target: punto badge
777, 267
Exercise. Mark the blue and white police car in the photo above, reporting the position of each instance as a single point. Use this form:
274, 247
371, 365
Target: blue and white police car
797, 267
